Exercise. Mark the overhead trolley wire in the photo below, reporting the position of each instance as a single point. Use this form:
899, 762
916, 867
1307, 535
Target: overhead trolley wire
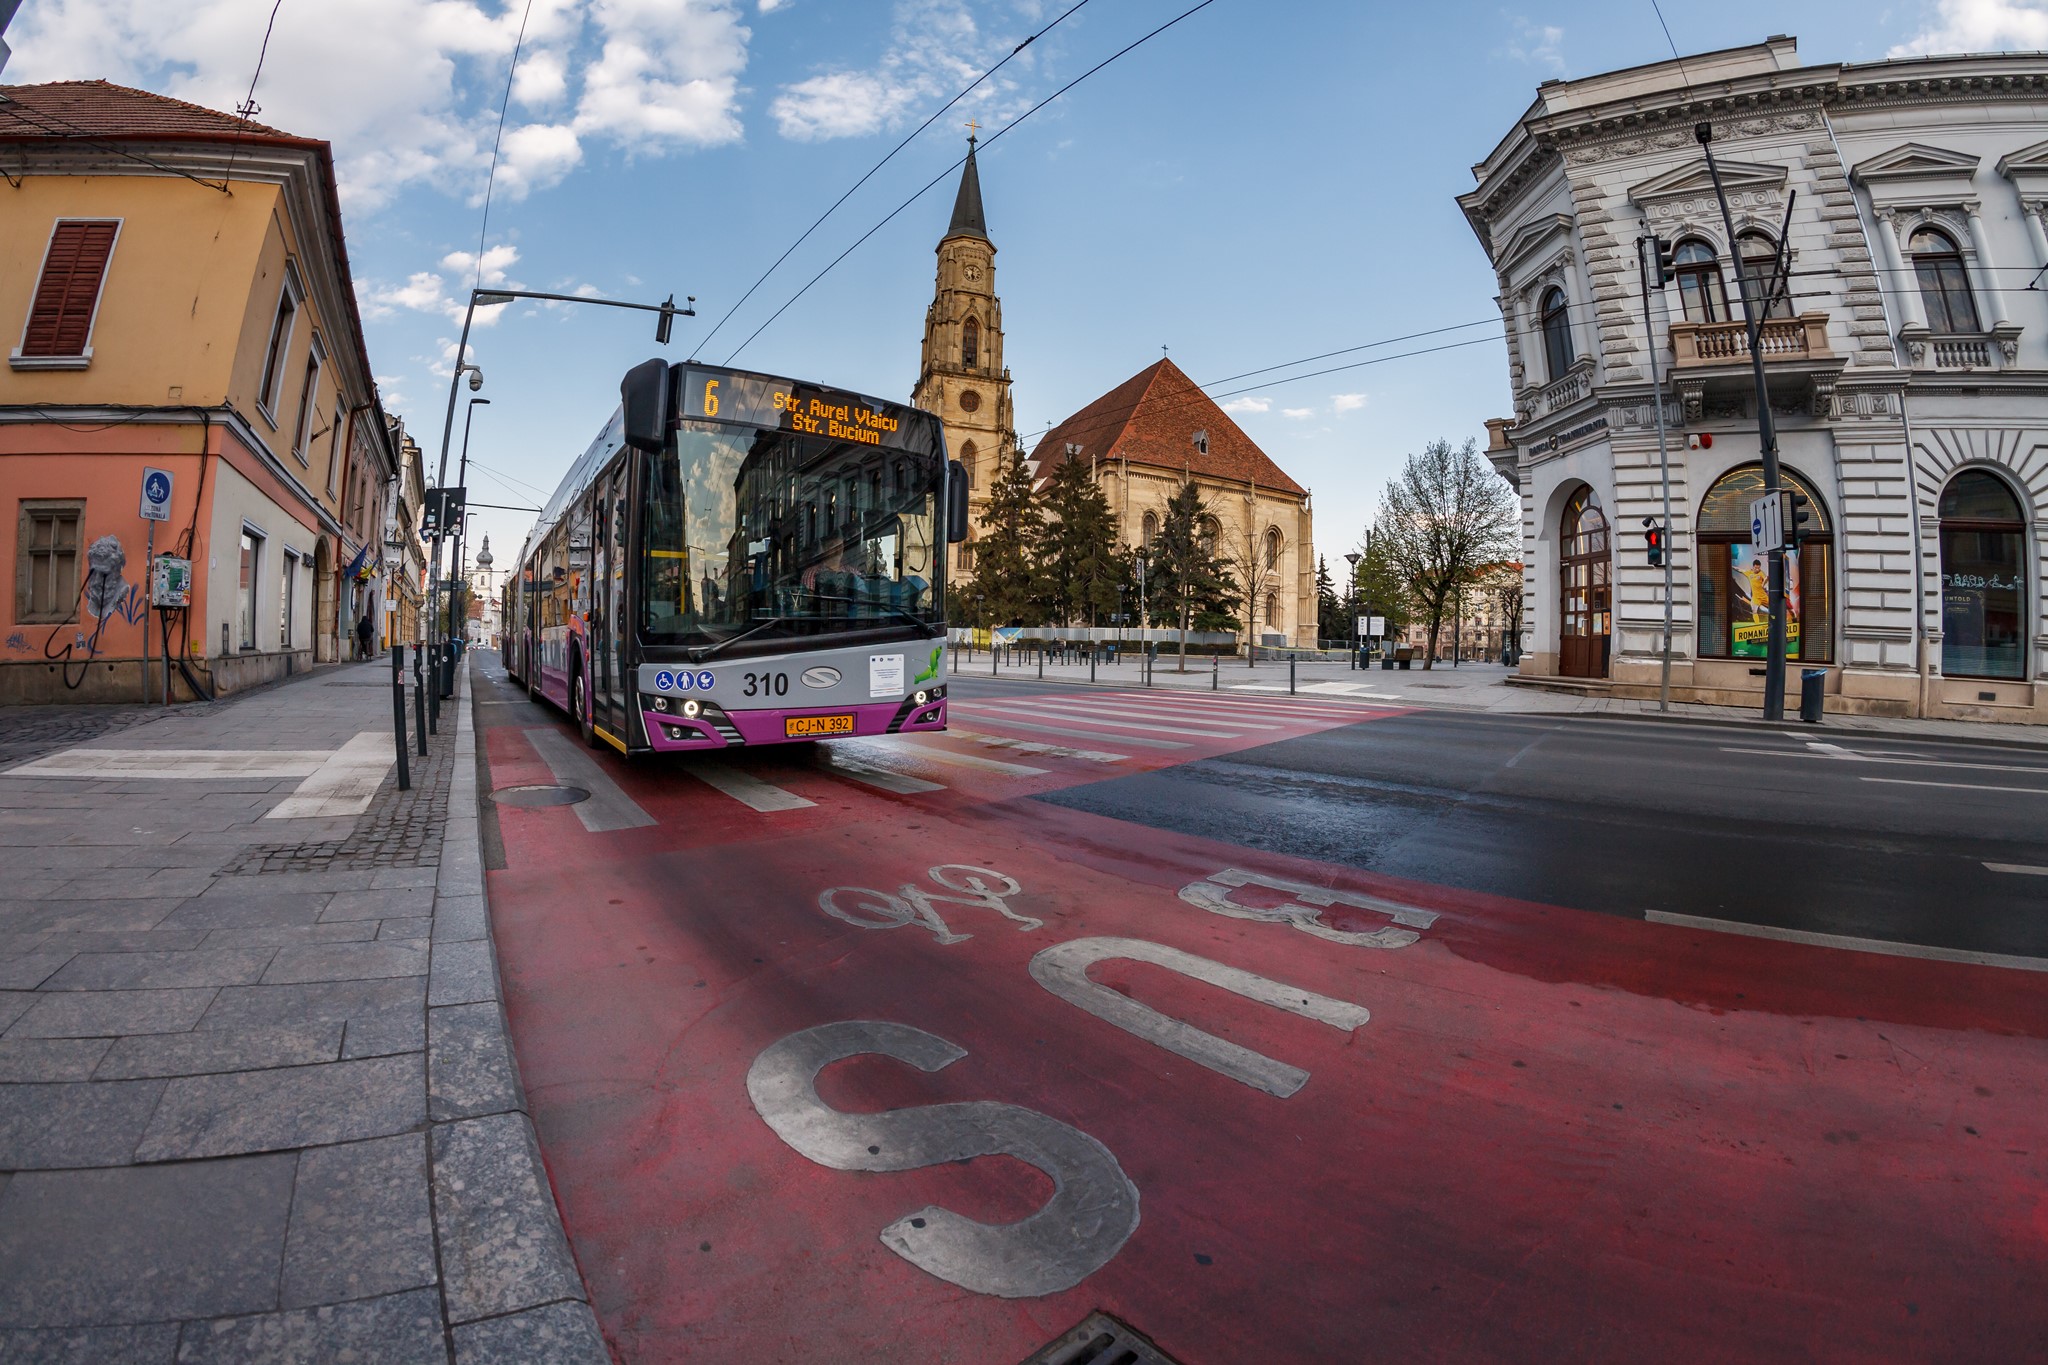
964, 93
942, 175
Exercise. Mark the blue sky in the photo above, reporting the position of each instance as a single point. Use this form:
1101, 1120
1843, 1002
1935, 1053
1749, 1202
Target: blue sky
1269, 180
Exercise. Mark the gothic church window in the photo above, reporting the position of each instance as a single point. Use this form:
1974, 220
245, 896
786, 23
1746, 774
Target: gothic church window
1272, 547
1150, 528
970, 343
1944, 286
1557, 333
967, 461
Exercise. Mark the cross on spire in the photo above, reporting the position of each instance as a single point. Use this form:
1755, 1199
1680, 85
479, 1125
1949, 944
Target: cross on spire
973, 129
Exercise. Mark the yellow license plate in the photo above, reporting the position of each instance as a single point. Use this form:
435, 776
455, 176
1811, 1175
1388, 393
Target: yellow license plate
810, 727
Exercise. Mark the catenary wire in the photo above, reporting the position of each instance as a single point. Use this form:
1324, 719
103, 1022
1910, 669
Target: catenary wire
964, 93
249, 109
993, 139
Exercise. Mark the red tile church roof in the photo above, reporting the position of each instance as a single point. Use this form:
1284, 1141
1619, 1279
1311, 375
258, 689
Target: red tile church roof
1151, 419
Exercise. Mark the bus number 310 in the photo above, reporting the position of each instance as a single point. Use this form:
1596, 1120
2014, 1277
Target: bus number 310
766, 685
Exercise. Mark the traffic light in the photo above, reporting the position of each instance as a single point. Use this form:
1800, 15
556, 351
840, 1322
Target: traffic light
1666, 268
1800, 512
667, 320
1654, 540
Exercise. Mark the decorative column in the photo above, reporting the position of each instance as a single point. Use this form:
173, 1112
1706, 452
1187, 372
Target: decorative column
2033, 211
1905, 284
1987, 270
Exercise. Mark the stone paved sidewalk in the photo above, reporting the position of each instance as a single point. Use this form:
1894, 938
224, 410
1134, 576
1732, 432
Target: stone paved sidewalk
257, 1099
1466, 687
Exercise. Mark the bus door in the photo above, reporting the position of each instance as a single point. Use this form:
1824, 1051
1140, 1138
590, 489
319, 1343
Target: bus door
610, 686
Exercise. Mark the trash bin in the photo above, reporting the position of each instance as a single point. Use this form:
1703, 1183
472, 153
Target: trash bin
1811, 680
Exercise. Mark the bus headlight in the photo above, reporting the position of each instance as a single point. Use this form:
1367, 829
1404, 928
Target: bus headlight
922, 698
661, 703
691, 707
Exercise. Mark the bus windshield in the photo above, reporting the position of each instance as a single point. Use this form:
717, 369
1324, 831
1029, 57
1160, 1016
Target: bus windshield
777, 536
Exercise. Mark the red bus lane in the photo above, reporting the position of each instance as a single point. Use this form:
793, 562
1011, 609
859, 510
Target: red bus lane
931, 1075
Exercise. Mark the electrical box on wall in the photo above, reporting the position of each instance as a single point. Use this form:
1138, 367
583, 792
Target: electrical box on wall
170, 582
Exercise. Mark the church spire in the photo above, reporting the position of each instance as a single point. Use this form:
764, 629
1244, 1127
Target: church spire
967, 218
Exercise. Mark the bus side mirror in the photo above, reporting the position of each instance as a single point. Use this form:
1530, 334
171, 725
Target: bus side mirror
643, 396
956, 502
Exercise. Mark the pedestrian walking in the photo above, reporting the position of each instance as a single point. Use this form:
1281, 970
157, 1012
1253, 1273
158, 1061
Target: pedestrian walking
363, 637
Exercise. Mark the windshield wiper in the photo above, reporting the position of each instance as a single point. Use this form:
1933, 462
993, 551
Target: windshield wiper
710, 651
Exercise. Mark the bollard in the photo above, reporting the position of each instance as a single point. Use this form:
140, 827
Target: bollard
1290, 675
1215, 671
1041, 663
419, 695
1091, 663
398, 714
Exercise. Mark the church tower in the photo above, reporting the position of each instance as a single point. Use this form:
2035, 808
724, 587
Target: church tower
961, 376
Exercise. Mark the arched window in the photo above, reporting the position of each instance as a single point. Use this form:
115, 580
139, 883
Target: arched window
1759, 258
1272, 609
1700, 291
1210, 534
1734, 583
1557, 334
967, 460
1272, 547
1983, 578
970, 343
1149, 529
1585, 587
1944, 285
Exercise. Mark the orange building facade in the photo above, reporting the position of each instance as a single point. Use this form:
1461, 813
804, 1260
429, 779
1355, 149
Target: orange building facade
185, 305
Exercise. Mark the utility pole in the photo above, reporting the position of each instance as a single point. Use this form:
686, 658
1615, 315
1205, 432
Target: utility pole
1663, 450
1767, 441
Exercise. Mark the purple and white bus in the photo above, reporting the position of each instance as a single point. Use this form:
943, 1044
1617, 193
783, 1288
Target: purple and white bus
742, 559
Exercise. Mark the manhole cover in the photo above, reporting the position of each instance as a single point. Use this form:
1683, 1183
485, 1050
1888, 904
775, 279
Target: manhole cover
542, 795
1100, 1339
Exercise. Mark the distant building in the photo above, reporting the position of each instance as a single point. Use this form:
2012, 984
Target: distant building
405, 554
1156, 431
185, 304
1906, 359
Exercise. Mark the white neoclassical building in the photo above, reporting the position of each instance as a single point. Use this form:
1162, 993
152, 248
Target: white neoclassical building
1906, 358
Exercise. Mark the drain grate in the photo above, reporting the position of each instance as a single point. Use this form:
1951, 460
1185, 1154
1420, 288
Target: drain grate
541, 795
1100, 1339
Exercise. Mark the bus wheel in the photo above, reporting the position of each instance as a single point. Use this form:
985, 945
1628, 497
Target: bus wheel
579, 707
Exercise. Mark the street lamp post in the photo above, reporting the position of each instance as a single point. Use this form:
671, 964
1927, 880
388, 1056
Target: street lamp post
1351, 604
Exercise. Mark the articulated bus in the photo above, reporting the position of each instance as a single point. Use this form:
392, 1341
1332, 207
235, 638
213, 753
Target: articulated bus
742, 559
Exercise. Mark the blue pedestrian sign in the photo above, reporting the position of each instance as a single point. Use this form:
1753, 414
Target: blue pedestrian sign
156, 494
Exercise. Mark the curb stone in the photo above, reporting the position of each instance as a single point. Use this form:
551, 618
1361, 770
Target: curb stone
509, 1284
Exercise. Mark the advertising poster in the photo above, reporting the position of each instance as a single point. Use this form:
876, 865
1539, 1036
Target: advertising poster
1749, 617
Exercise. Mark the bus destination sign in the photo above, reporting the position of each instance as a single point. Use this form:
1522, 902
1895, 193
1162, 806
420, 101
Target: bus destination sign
729, 396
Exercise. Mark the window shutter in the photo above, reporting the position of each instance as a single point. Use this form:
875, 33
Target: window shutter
60, 321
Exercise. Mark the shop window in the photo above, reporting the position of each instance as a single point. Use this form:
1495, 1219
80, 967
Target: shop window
1983, 578
1734, 581
245, 590
67, 293
1944, 285
46, 573
1700, 291
1557, 334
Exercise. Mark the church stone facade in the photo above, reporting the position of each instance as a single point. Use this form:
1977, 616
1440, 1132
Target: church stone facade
960, 373
1906, 360
1143, 438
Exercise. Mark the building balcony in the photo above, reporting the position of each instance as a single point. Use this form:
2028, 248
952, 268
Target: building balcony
1997, 349
1710, 364
1539, 401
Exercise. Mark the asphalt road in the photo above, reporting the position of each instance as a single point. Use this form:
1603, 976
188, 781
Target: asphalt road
1869, 837
1300, 1032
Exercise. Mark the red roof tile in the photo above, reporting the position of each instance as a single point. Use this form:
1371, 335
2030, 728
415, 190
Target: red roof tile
1151, 419
102, 109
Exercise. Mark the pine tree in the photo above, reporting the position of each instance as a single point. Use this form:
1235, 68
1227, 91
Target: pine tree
1187, 584
1079, 566
1330, 623
1000, 594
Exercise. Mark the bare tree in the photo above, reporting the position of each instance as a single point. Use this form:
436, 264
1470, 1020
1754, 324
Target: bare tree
1255, 572
1445, 516
1502, 584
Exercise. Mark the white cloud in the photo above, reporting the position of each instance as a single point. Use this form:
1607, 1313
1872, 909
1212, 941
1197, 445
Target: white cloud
935, 48
1980, 26
1248, 403
408, 90
1297, 414
1540, 45
1346, 402
770, 6
422, 292
497, 260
